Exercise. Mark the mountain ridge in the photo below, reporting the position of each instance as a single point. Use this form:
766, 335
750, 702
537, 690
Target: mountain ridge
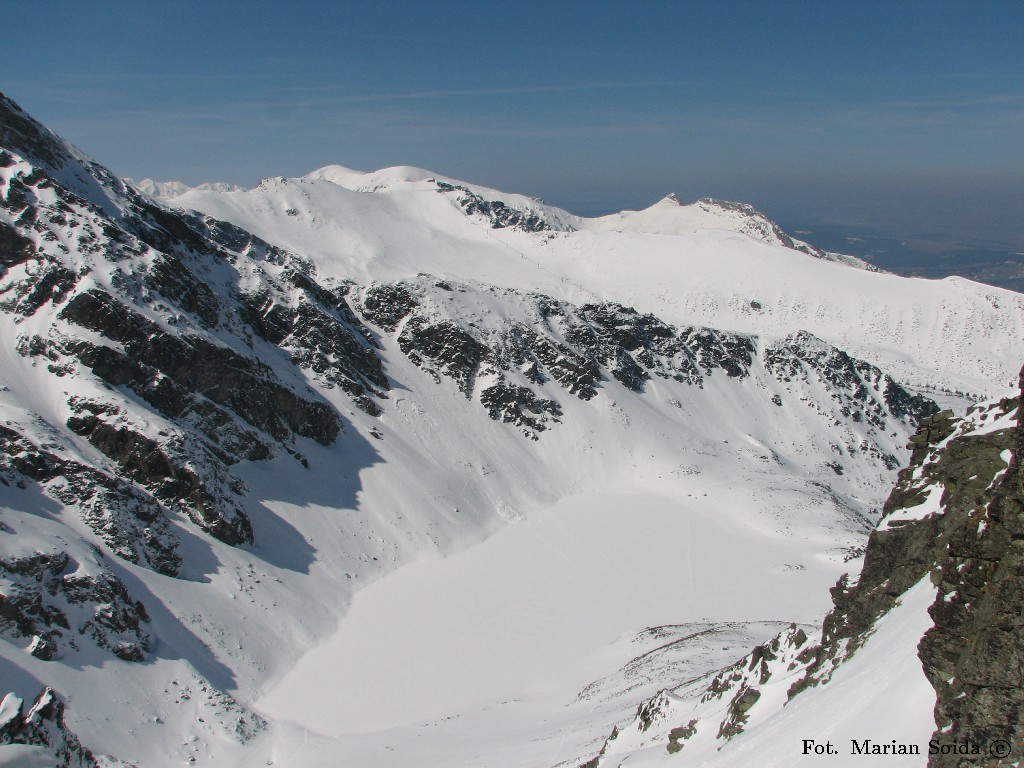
918, 329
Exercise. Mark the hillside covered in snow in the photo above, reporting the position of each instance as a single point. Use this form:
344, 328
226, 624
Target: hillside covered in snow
387, 469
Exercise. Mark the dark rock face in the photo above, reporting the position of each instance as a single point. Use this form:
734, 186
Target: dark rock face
14, 249
863, 391
43, 726
244, 385
129, 520
443, 348
495, 212
573, 346
582, 347
569, 345
321, 335
147, 306
46, 600
387, 304
974, 653
171, 279
900, 554
148, 463
520, 406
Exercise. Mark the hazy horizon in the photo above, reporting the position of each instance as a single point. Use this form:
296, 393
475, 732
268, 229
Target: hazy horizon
906, 116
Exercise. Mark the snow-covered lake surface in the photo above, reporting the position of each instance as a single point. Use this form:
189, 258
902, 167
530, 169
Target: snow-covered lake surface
537, 608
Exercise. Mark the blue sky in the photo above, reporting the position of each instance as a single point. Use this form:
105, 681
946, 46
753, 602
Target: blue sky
908, 114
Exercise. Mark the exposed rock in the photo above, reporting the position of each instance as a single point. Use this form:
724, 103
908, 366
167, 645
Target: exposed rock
520, 406
172, 279
243, 384
973, 654
208, 501
321, 334
718, 705
902, 552
864, 393
43, 726
442, 348
129, 520
45, 599
14, 248
580, 347
387, 304
495, 212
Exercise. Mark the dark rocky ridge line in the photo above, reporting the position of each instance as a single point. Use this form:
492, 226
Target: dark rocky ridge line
581, 347
494, 212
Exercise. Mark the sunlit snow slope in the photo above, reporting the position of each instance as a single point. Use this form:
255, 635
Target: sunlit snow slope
396, 471
709, 263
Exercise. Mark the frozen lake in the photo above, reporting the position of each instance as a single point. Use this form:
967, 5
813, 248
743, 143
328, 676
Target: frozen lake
537, 606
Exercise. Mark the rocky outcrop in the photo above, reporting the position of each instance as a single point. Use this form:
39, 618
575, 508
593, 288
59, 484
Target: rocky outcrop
43, 726
520, 406
973, 654
210, 501
943, 493
130, 521
180, 346
507, 360
48, 600
494, 212
244, 385
321, 334
864, 394
387, 304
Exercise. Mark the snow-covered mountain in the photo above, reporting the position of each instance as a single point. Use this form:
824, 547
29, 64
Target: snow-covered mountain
169, 189
714, 264
382, 469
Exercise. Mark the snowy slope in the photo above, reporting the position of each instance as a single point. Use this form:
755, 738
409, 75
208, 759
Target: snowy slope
709, 263
881, 696
864, 688
317, 477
